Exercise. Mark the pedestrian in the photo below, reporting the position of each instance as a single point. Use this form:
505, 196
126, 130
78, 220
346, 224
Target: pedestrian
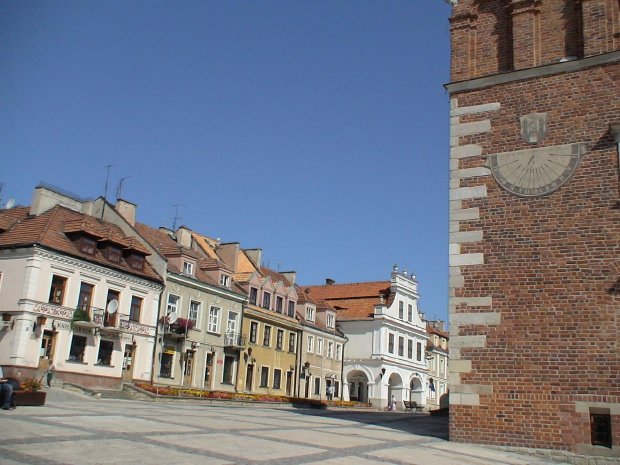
50, 374
392, 405
6, 392
330, 392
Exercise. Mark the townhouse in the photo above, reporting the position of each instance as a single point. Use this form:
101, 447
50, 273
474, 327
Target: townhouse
199, 326
76, 290
322, 348
437, 363
269, 363
386, 335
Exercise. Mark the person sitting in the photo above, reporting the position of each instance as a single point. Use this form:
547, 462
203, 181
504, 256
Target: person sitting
6, 392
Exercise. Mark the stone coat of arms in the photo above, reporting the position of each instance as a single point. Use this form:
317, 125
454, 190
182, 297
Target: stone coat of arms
534, 127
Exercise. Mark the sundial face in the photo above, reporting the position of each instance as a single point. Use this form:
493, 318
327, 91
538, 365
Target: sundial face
536, 172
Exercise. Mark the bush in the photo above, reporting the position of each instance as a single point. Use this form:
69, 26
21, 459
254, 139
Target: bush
31, 385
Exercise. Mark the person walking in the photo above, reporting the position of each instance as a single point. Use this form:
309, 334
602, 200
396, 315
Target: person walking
50, 374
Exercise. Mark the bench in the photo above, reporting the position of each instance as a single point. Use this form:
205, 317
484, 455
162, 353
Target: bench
411, 406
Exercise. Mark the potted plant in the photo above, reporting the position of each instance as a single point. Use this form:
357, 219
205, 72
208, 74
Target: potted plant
30, 393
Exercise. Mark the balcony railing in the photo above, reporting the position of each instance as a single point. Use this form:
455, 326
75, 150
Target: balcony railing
236, 340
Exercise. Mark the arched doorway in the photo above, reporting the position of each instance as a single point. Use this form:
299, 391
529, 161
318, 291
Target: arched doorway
358, 386
416, 391
395, 388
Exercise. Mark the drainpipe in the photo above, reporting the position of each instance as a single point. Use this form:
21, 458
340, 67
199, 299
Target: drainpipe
342, 380
156, 335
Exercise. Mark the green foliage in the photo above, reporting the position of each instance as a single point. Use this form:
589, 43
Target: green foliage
81, 315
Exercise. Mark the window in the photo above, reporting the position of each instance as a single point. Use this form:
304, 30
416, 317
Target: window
291, 342
277, 378
88, 245
114, 254
310, 314
401, 346
391, 343
85, 297
280, 339
291, 309
111, 316
409, 348
319, 345
136, 261
600, 427
401, 310
253, 332
330, 349
267, 336
317, 386
442, 369
78, 346
338, 351
188, 268
208, 368
227, 375
410, 313
330, 320
310, 344
224, 280
214, 316
336, 388
266, 300
104, 357
194, 311
57, 290
279, 303
253, 295
231, 325
165, 369
135, 309
173, 304
419, 351
264, 376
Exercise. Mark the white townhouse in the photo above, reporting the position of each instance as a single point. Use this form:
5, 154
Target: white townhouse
387, 339
75, 290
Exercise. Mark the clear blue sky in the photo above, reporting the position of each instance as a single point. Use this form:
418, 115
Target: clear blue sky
315, 130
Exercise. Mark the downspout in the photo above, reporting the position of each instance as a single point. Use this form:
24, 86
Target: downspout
342, 380
161, 294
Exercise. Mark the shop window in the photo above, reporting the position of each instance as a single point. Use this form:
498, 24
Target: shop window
227, 376
104, 357
277, 378
264, 377
78, 346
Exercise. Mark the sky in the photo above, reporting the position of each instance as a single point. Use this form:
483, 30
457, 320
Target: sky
316, 130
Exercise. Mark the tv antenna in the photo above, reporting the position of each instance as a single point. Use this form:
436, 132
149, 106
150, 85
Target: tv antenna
119, 189
176, 216
105, 192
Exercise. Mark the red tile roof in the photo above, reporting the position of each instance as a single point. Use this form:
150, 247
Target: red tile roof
49, 229
354, 301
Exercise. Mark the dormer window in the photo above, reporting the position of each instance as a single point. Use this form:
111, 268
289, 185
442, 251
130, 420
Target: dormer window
224, 280
114, 254
253, 295
188, 268
330, 320
310, 314
88, 245
266, 300
136, 261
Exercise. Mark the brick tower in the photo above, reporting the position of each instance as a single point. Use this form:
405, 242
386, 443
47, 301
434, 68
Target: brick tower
535, 225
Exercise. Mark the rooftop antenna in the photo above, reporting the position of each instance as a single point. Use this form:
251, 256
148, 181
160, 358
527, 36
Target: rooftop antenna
176, 216
105, 192
119, 189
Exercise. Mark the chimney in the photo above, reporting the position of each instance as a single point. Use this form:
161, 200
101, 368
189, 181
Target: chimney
184, 236
329, 282
290, 276
44, 199
127, 210
254, 255
229, 254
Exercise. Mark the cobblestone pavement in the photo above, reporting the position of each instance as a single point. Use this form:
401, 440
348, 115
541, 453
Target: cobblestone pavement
73, 429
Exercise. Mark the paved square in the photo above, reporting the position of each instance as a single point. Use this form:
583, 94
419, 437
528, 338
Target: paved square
75, 429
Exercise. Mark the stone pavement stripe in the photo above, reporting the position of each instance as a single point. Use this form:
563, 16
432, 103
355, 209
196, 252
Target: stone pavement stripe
232, 446
318, 438
422, 456
109, 451
467, 449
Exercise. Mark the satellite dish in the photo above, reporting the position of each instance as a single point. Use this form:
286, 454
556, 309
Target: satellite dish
172, 318
10, 204
112, 306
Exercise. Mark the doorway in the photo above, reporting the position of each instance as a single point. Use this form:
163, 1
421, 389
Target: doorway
46, 354
248, 378
188, 369
289, 382
128, 356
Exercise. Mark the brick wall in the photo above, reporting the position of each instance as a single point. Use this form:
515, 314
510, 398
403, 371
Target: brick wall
534, 281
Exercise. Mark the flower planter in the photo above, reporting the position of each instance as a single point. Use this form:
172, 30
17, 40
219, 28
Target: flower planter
29, 398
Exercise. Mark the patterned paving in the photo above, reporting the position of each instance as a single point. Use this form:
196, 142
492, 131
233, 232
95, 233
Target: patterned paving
72, 429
